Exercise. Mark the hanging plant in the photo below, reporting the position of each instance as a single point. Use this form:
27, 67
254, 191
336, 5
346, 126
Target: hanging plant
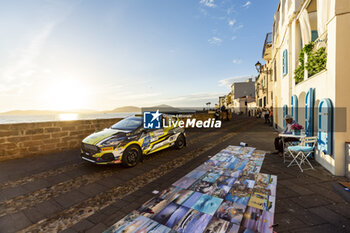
316, 62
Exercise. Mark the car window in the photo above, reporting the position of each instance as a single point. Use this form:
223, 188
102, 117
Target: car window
130, 123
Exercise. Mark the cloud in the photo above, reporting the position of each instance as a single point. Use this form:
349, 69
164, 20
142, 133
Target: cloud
231, 22
230, 10
215, 40
229, 81
236, 61
233, 37
247, 4
208, 3
238, 27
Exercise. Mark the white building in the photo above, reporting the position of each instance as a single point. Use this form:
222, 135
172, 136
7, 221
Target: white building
314, 87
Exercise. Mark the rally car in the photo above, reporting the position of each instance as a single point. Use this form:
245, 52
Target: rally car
127, 141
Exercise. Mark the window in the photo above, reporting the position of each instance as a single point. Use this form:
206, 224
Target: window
325, 124
314, 35
285, 112
294, 107
285, 62
309, 112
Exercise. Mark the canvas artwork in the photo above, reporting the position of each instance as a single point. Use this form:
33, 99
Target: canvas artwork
207, 204
152, 207
203, 186
220, 191
217, 225
196, 174
210, 177
257, 220
183, 195
230, 211
185, 182
225, 194
170, 193
262, 201
143, 224
191, 200
194, 221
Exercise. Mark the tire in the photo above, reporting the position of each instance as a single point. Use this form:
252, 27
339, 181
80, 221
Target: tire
131, 156
180, 142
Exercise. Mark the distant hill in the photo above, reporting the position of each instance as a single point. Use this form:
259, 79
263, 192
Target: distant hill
161, 107
45, 112
30, 112
125, 109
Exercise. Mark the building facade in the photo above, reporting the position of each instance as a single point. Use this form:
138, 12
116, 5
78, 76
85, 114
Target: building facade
310, 78
265, 80
240, 89
241, 94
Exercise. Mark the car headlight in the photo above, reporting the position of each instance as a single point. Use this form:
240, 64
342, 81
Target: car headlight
110, 142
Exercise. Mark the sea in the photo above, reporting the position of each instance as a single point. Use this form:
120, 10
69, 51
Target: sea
11, 119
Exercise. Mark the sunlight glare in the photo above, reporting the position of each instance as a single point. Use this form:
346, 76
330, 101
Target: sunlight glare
66, 94
68, 116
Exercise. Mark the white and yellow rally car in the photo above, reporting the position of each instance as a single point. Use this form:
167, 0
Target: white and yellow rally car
127, 142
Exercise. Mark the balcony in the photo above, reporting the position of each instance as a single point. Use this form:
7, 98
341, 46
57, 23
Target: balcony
267, 50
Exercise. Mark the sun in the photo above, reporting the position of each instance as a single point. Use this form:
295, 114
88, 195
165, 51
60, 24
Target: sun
65, 94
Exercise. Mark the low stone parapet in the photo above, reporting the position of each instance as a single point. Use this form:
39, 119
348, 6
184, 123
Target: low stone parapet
27, 139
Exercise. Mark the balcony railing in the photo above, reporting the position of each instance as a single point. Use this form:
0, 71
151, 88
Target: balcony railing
268, 42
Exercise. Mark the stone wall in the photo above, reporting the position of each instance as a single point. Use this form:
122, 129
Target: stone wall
26, 139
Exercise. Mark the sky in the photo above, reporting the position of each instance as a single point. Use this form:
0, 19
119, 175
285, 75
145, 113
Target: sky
63, 55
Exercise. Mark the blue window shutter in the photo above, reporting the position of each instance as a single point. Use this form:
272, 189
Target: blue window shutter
314, 35
309, 112
285, 62
283, 67
294, 107
325, 126
285, 112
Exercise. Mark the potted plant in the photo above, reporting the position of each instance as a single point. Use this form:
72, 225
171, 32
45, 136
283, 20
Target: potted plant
296, 128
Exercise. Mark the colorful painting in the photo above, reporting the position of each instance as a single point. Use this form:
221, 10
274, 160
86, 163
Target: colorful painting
210, 177
152, 207
230, 211
257, 220
207, 204
191, 200
185, 182
217, 225
225, 194
193, 222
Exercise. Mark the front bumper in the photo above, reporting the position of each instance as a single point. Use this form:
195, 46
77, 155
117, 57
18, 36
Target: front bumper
97, 155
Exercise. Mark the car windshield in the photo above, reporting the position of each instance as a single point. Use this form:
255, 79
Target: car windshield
130, 123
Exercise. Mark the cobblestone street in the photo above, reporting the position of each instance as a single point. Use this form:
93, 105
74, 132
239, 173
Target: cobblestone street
60, 192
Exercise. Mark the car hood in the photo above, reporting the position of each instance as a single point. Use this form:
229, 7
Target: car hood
94, 138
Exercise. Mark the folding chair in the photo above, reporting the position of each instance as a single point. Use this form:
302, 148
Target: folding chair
302, 152
286, 152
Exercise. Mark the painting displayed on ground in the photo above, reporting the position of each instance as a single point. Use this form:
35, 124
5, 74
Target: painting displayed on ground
225, 194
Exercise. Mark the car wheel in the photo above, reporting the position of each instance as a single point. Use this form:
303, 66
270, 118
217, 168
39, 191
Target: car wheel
180, 142
131, 156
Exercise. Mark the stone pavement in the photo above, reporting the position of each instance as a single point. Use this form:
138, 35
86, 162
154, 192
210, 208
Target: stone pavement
59, 192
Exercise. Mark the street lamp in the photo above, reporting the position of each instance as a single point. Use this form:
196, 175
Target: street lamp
258, 66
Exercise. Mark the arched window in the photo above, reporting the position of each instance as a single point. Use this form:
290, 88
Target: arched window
325, 126
309, 112
285, 112
294, 107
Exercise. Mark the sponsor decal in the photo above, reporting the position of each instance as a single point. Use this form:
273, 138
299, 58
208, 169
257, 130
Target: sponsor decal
107, 148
